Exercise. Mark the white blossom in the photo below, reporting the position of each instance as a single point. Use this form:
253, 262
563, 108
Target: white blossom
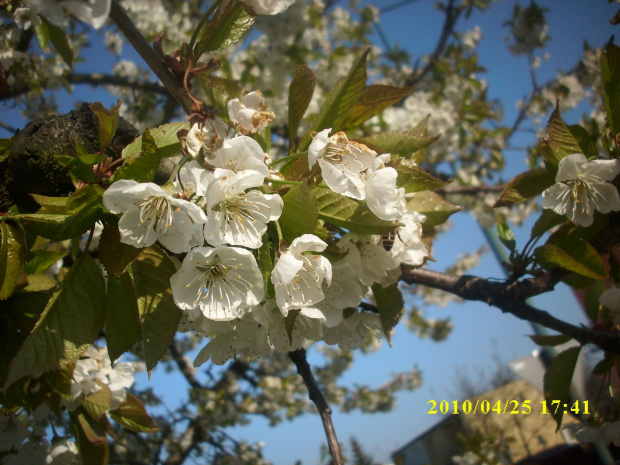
249, 115
150, 214
581, 188
238, 154
342, 162
358, 330
298, 277
237, 217
383, 197
268, 7
209, 136
223, 282
94, 12
408, 247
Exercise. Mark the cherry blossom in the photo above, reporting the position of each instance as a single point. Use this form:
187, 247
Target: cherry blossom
238, 154
209, 136
268, 7
383, 197
249, 115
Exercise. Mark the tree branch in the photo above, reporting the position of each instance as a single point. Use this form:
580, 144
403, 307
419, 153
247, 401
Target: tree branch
510, 298
185, 366
303, 368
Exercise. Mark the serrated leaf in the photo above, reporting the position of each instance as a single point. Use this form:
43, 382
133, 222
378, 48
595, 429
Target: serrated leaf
506, 236
12, 255
557, 381
69, 324
91, 440
98, 403
41, 260
122, 316
133, 416
584, 139
403, 143
413, 178
341, 99
524, 186
88, 158
52, 204
373, 101
219, 91
300, 93
38, 283
60, 381
229, 23
165, 138
391, 307
560, 141
115, 256
108, 121
78, 171
584, 261
550, 340
159, 316
610, 71
547, 220
433, 206
60, 41
141, 168
78, 214
299, 214
344, 212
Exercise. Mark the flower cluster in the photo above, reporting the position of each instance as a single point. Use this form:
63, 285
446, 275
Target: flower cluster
222, 212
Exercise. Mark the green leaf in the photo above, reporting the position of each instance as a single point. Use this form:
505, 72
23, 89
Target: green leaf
133, 416
433, 206
373, 101
341, 99
59, 41
300, 93
159, 316
219, 91
413, 178
591, 299
560, 142
43, 34
583, 259
115, 256
69, 324
141, 168
403, 143
228, 24
299, 215
98, 403
547, 220
550, 340
391, 307
165, 138
524, 186
108, 121
584, 139
91, 440
6, 145
122, 316
506, 236
347, 213
39, 282
67, 217
265, 260
12, 256
42, 259
557, 381
610, 70
78, 170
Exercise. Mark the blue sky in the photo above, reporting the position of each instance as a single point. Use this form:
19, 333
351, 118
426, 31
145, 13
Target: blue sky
479, 330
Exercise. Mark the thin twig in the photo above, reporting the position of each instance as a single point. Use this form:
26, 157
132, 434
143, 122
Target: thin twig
185, 366
303, 368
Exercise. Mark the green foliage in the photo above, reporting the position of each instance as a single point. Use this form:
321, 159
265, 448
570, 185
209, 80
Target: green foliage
299, 215
47, 32
69, 324
300, 94
141, 168
610, 70
561, 141
525, 186
582, 259
229, 23
219, 91
403, 143
122, 322
12, 256
550, 340
374, 100
557, 382
433, 206
132, 415
108, 121
391, 307
506, 236
413, 178
165, 138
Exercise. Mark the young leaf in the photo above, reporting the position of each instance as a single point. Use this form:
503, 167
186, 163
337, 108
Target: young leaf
79, 171
122, 316
108, 120
550, 340
12, 256
115, 256
299, 215
341, 99
373, 101
582, 259
42, 259
403, 143
560, 142
433, 206
524, 186
299, 95
6, 145
547, 220
165, 138
141, 168
610, 70
91, 440
557, 381
133, 416
228, 24
60, 41
391, 307
345, 212
159, 316
219, 91
43, 34
69, 324
98, 403
506, 236
413, 178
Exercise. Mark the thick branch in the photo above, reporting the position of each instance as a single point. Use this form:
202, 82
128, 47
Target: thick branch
138, 42
510, 298
303, 368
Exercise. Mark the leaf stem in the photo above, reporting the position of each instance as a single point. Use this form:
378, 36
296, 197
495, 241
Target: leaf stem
288, 158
